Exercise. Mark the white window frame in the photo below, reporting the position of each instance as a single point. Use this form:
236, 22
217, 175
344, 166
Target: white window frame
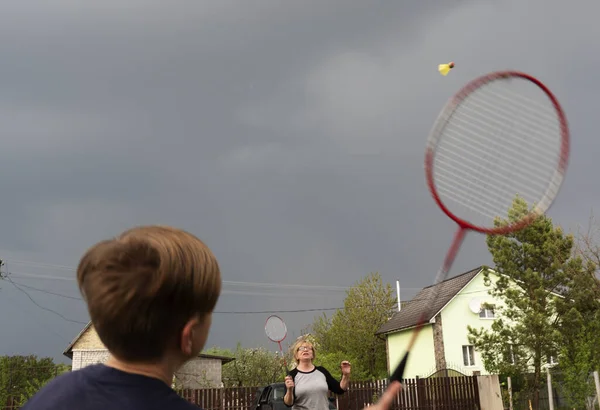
468, 352
487, 312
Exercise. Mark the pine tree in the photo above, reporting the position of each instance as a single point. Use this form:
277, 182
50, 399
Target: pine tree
532, 266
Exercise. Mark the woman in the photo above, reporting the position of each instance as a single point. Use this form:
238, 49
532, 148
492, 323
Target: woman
308, 385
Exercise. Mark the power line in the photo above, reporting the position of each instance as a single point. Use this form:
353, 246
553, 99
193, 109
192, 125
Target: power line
277, 311
46, 291
41, 264
224, 291
36, 318
225, 282
6, 277
45, 277
17, 285
289, 286
21, 286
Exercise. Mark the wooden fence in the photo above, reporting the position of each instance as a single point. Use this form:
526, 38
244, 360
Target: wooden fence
230, 398
439, 393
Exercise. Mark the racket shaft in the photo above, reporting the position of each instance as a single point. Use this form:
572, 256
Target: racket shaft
283, 356
459, 236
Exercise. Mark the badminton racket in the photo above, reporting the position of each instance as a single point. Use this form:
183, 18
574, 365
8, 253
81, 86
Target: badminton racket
503, 134
276, 331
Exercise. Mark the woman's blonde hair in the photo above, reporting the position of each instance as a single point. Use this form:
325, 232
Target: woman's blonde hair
303, 342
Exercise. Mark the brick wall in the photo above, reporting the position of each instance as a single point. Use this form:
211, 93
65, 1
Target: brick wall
89, 340
83, 358
438, 344
196, 374
199, 373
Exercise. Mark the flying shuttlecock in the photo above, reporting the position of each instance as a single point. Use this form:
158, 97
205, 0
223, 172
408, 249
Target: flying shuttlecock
444, 69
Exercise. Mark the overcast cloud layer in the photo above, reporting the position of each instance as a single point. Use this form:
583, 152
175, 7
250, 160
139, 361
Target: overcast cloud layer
289, 136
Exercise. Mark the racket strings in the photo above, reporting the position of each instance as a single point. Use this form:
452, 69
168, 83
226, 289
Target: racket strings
275, 329
498, 144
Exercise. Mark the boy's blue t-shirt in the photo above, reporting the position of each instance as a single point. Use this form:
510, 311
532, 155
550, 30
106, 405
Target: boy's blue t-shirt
99, 387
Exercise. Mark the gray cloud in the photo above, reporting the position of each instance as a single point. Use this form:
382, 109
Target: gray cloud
288, 136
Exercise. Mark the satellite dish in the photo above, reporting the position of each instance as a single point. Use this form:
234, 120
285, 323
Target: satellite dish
475, 305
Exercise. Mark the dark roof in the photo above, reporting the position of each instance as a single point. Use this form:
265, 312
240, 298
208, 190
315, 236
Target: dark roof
69, 350
223, 359
411, 312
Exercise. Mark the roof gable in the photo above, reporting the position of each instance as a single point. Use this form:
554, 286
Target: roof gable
411, 311
69, 349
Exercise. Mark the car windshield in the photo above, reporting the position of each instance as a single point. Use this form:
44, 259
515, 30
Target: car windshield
278, 393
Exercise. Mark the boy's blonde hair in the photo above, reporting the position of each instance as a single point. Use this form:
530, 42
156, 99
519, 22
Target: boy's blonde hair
144, 285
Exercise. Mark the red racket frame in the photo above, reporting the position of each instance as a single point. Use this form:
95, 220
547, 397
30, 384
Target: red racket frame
464, 225
456, 100
278, 341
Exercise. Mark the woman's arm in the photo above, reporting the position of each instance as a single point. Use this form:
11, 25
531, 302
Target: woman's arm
346, 369
288, 399
344, 382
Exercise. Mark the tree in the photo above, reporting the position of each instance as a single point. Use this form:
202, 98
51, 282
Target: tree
23, 376
587, 245
580, 336
531, 263
252, 367
580, 321
332, 360
351, 331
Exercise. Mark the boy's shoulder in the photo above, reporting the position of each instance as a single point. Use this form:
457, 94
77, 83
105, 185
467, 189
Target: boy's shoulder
98, 387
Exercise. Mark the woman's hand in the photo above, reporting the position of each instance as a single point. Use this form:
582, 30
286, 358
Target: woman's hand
288, 398
346, 368
289, 382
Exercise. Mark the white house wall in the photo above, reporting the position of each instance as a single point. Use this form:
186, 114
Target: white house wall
457, 316
421, 359
83, 358
195, 374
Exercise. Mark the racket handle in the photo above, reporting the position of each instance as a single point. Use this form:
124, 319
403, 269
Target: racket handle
399, 372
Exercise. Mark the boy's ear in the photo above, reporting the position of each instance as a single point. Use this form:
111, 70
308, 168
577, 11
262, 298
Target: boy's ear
187, 336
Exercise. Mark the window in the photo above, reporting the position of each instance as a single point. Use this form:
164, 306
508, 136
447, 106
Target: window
278, 393
468, 355
487, 312
552, 360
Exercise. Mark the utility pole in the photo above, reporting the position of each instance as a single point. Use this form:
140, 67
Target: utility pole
398, 293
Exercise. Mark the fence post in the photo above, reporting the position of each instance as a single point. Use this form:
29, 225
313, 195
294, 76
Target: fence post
476, 388
510, 399
550, 396
597, 382
420, 393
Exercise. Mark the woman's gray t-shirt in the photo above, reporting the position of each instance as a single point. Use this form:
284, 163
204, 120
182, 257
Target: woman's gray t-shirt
311, 389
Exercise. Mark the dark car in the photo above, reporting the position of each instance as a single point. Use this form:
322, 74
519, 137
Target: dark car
271, 398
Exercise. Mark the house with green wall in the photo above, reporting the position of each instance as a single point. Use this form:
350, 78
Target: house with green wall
462, 301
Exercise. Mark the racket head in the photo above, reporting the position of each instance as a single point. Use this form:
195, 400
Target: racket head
493, 126
275, 328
